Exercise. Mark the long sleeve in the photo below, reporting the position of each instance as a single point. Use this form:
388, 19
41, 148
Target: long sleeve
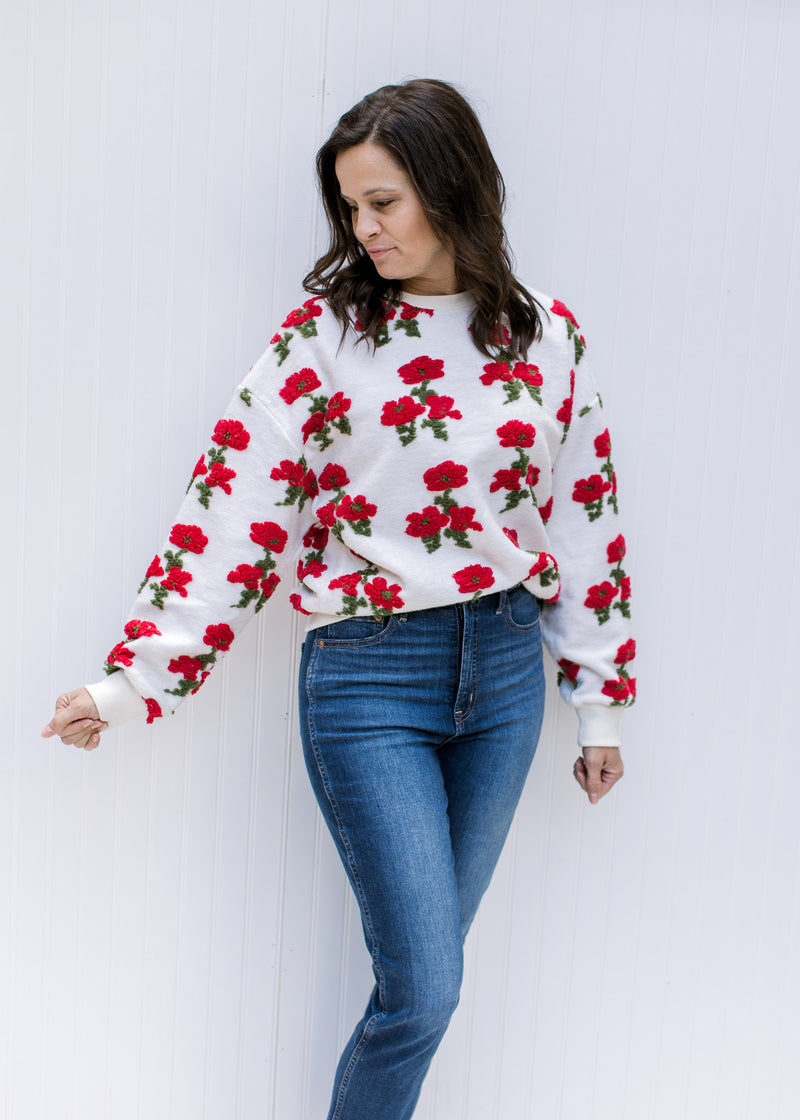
587, 628
237, 535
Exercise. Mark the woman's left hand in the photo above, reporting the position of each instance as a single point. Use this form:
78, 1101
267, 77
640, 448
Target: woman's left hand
597, 771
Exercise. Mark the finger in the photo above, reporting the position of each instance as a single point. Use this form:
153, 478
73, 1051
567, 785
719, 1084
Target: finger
579, 773
603, 770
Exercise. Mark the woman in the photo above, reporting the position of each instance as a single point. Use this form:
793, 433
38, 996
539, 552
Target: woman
423, 443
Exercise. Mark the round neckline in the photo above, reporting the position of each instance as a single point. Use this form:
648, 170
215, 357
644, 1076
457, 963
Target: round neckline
438, 303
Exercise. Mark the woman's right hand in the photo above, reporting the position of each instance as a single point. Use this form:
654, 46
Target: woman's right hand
76, 721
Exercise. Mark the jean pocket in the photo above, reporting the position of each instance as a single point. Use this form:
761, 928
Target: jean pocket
361, 630
521, 609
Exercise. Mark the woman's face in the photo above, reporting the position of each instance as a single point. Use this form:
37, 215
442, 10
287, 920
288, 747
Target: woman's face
390, 223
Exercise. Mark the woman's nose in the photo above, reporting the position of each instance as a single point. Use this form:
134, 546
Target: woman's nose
366, 226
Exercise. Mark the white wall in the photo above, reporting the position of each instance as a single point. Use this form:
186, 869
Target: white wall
177, 941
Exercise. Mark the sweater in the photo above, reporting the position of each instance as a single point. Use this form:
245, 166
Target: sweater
416, 474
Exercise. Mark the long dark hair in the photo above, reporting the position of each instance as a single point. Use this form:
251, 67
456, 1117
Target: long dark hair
431, 131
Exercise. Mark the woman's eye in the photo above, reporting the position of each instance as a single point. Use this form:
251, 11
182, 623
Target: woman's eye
385, 202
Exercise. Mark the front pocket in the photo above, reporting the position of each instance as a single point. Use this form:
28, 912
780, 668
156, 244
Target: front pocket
521, 609
361, 630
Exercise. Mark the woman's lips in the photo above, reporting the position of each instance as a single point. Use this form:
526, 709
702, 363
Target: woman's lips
377, 253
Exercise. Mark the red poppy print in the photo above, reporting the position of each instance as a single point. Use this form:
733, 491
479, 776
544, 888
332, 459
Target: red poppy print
219, 636
268, 585
625, 588
355, 509
573, 329
602, 445
496, 371
140, 628
269, 535
445, 476
463, 518
199, 467
301, 482
559, 308
120, 655
402, 414
514, 380
427, 526
315, 423
568, 671
316, 538
349, 583
248, 574
296, 602
298, 384
421, 369
546, 511
589, 493
516, 433
153, 710
626, 652
333, 477
618, 690
176, 580
187, 667
440, 408
327, 514
385, 597
506, 480
616, 550
599, 599
475, 577
338, 405
303, 317
231, 433
310, 567
188, 538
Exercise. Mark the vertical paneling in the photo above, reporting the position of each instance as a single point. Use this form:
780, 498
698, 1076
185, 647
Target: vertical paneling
179, 940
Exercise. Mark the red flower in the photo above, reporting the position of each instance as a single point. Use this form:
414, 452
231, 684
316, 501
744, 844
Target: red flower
625, 588
248, 574
626, 652
617, 690
402, 411
445, 476
564, 414
275, 338
616, 550
528, 373
337, 406
474, 577
231, 433
532, 475
220, 476
176, 580
426, 524
269, 535
561, 309
600, 595
269, 584
315, 423
300, 315
496, 371
421, 369
506, 480
590, 489
155, 568
188, 537
293, 473
512, 536
632, 686
602, 445
187, 667
316, 538
200, 467
138, 628
355, 509
121, 655
568, 668
219, 636
295, 600
515, 433
440, 407
409, 312
310, 568
333, 477
544, 561
461, 519
153, 710
348, 583
546, 511
384, 594
327, 514
304, 381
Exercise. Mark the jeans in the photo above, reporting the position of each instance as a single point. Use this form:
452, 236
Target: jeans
418, 732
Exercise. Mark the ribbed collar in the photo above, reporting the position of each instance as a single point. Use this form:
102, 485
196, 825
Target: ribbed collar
440, 303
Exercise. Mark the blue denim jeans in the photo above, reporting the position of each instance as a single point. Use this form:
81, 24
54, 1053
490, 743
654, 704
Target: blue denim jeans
418, 732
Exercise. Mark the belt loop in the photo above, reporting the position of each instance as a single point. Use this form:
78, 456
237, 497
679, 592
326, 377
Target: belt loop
501, 606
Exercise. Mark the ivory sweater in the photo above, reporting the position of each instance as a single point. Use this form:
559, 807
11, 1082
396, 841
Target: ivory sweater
414, 476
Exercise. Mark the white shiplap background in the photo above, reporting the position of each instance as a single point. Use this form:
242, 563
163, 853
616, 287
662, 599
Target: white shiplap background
176, 937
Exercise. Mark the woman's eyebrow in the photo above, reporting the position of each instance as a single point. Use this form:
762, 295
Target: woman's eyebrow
373, 190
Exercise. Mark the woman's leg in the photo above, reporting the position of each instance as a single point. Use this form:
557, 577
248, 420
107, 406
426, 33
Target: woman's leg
385, 709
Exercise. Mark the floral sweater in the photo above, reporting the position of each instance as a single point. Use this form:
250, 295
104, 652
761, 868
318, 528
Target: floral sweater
414, 476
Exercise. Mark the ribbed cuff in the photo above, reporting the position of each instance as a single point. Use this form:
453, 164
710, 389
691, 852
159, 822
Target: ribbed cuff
116, 699
600, 725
